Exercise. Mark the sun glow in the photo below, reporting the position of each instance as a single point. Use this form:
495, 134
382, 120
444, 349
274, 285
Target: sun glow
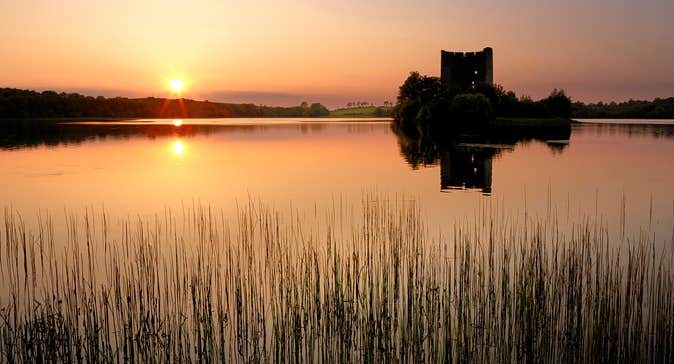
178, 147
177, 122
176, 85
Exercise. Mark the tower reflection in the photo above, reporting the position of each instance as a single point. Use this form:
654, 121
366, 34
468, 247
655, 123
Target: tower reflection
466, 159
467, 168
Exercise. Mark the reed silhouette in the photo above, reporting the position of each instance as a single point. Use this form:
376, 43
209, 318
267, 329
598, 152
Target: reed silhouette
188, 285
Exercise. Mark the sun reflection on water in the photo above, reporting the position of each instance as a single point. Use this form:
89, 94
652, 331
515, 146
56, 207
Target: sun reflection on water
178, 147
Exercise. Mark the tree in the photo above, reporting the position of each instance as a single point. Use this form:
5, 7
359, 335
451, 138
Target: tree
15, 103
317, 109
471, 108
558, 104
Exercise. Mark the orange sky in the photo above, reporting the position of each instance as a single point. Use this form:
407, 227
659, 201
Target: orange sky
333, 51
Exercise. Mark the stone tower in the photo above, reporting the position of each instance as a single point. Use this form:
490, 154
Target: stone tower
464, 70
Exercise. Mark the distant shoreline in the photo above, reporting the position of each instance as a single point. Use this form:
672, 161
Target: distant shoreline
368, 111
623, 121
149, 119
499, 122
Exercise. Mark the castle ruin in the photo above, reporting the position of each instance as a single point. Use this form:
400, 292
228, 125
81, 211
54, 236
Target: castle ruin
464, 70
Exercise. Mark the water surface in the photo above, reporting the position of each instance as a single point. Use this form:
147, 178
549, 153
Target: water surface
139, 167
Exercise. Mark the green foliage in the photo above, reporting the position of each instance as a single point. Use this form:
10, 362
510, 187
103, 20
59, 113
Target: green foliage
421, 88
362, 112
528, 108
317, 109
425, 104
405, 116
656, 109
506, 104
493, 92
15, 103
472, 109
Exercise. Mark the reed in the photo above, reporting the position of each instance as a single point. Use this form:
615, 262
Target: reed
330, 286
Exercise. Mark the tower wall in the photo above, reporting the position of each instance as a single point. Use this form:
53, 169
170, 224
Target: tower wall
463, 70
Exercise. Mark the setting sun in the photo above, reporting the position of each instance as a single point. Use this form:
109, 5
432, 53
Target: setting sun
177, 122
176, 85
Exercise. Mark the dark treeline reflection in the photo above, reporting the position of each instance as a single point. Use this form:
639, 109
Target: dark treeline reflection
465, 159
33, 133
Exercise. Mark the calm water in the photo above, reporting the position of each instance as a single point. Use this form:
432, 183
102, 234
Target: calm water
141, 167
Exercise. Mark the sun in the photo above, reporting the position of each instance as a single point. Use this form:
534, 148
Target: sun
177, 122
176, 85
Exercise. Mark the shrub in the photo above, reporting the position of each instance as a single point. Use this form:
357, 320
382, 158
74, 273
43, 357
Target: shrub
317, 109
471, 108
558, 104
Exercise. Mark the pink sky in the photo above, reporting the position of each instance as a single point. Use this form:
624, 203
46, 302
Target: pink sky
333, 51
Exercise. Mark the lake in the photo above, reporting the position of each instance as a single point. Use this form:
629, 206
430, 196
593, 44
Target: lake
140, 167
262, 240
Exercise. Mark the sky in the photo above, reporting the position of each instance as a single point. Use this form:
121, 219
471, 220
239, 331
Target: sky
281, 53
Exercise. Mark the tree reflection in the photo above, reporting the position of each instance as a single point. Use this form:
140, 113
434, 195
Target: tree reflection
466, 158
467, 168
15, 134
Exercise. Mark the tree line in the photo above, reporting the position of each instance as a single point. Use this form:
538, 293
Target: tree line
17, 103
355, 104
633, 109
